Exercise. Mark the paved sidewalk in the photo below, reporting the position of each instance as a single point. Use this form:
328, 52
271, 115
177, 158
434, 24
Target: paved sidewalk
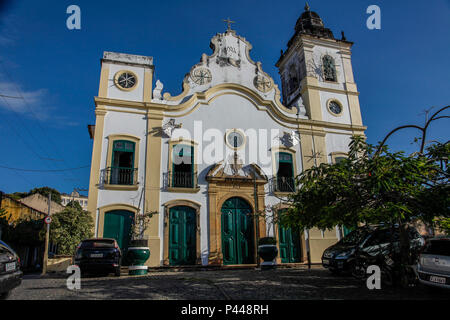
279, 284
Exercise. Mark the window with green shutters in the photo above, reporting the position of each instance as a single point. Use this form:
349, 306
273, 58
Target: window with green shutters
285, 180
182, 174
122, 169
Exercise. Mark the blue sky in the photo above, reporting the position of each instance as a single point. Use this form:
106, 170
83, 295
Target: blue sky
400, 70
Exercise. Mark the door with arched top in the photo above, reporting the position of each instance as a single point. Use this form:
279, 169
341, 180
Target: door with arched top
237, 232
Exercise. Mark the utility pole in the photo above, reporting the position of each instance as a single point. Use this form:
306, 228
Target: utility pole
47, 235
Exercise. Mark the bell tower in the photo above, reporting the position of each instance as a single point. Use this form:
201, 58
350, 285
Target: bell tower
316, 73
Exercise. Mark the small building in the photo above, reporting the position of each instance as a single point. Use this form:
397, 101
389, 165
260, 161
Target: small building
27, 222
75, 196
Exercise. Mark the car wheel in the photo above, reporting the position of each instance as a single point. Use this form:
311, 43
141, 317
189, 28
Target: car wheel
117, 272
5, 295
356, 270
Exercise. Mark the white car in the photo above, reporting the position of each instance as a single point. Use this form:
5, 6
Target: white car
434, 263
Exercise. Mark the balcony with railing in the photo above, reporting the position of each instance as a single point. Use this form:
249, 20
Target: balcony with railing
282, 184
181, 181
118, 176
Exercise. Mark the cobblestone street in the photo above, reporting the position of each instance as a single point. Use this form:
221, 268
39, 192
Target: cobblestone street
280, 284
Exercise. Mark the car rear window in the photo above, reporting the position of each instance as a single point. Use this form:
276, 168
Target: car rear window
438, 247
98, 244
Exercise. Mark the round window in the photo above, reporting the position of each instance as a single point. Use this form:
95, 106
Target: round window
335, 107
126, 80
235, 139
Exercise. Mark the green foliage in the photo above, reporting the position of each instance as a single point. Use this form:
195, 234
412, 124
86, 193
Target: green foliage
444, 225
56, 196
74, 204
267, 240
69, 227
370, 188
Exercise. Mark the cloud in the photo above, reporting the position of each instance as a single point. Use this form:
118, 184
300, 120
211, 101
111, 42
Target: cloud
21, 101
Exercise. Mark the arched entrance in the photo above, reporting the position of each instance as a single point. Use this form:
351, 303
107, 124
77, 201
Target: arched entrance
237, 232
117, 225
182, 235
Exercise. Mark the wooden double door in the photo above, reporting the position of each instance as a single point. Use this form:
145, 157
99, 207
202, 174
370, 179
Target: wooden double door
182, 236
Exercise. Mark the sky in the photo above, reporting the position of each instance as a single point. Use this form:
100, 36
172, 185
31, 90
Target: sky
400, 70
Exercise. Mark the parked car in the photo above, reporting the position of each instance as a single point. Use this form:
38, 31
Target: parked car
368, 242
10, 273
434, 263
98, 256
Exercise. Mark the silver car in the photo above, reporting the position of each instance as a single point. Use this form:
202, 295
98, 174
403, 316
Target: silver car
434, 263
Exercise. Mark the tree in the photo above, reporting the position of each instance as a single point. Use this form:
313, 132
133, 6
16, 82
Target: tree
69, 227
371, 187
56, 196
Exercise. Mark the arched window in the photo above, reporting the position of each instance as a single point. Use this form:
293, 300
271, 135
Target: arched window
285, 181
182, 167
329, 69
122, 163
293, 79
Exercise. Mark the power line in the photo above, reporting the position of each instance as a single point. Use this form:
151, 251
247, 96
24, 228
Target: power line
38, 170
37, 120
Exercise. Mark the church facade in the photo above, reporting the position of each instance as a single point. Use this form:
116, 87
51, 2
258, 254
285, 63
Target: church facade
217, 162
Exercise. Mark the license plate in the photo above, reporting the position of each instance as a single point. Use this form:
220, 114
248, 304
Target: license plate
10, 266
97, 255
437, 279
326, 261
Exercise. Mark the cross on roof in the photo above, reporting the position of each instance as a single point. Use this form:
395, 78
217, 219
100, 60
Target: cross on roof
229, 22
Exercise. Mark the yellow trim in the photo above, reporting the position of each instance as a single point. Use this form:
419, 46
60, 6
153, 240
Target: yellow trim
110, 207
279, 149
183, 190
152, 184
148, 85
95, 164
273, 109
339, 103
103, 85
121, 187
122, 136
116, 80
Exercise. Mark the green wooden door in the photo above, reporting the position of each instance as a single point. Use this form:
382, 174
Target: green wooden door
290, 248
117, 225
182, 236
237, 232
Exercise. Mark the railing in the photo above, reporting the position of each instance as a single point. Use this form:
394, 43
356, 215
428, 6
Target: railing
120, 176
182, 179
282, 184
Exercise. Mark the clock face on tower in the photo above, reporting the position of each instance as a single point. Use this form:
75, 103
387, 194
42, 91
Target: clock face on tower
235, 139
125, 80
262, 83
201, 76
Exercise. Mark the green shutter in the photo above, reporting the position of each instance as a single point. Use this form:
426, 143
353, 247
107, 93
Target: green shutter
237, 232
182, 235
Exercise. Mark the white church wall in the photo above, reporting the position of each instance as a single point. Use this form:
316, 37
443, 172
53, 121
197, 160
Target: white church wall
116, 93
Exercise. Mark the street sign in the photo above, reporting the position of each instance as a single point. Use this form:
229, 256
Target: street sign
48, 219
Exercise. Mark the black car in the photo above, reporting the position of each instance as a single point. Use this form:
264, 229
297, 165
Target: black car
10, 274
367, 241
98, 256
339, 256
